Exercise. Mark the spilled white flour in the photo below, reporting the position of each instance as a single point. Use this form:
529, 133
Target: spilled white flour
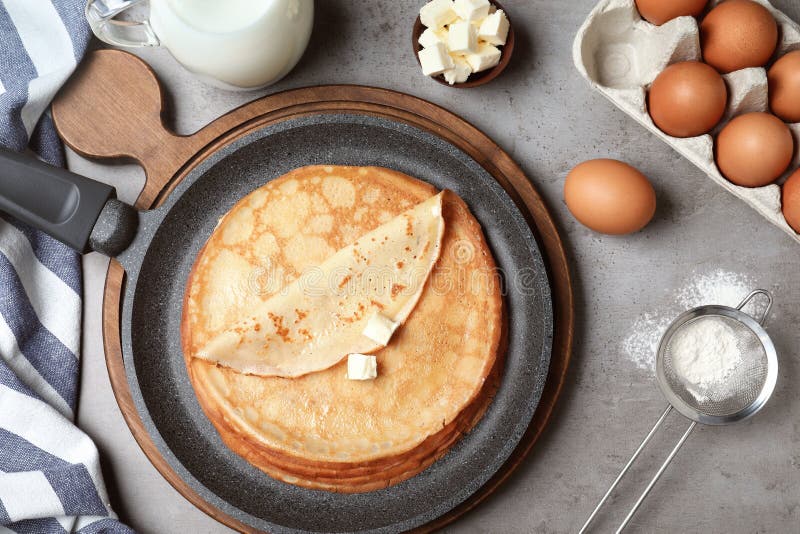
642, 343
705, 353
716, 287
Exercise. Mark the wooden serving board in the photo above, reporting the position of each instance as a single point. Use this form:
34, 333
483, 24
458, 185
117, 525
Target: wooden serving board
112, 108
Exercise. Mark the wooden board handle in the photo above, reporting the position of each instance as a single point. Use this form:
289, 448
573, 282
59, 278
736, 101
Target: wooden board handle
112, 108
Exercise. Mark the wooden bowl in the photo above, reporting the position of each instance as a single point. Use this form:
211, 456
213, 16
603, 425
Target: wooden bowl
479, 78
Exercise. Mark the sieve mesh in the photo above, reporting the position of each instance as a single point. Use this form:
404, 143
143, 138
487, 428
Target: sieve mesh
742, 385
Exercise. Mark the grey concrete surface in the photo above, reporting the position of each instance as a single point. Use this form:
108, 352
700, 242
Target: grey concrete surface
741, 479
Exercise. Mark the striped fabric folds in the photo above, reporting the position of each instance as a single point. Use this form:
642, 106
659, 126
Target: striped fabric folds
50, 479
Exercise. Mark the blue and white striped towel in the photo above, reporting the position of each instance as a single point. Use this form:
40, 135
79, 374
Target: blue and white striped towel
50, 479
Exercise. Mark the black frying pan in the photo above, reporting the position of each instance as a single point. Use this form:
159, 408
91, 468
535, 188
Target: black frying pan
157, 261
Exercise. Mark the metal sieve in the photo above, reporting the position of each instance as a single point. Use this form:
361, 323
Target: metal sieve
743, 391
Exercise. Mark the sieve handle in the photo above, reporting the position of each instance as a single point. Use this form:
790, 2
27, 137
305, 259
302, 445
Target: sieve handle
652, 483
658, 474
625, 469
750, 297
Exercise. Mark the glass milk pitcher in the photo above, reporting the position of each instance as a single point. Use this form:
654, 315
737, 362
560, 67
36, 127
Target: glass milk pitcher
238, 44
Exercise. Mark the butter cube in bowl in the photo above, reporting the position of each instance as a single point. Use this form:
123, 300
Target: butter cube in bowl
463, 43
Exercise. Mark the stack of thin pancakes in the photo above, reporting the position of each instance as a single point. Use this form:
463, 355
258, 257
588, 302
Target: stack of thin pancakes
320, 430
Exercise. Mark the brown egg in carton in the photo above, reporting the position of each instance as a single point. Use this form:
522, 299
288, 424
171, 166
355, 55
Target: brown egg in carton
620, 54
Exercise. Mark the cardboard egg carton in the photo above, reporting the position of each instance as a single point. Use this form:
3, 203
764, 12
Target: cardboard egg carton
620, 54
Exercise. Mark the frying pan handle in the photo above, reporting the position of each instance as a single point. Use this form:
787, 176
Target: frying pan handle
77, 211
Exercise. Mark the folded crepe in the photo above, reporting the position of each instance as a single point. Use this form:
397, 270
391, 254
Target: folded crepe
320, 318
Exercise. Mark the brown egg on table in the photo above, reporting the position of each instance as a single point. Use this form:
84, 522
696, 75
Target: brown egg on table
609, 196
687, 99
754, 149
660, 11
784, 87
738, 34
790, 200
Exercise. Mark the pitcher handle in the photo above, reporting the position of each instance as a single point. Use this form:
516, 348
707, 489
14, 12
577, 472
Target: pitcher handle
101, 13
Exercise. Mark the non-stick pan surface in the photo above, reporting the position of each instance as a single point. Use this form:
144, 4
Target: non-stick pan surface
157, 267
